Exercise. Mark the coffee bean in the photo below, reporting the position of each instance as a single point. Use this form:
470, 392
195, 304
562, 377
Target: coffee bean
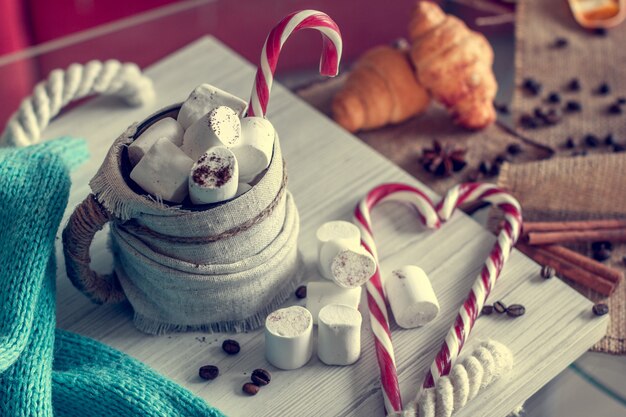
250, 389
603, 89
554, 97
608, 140
621, 101
560, 43
532, 86
591, 140
514, 149
231, 346
209, 372
495, 169
602, 255
552, 117
515, 310
500, 159
499, 307
547, 272
261, 377
600, 309
605, 244
569, 143
501, 108
615, 109
600, 32
574, 85
484, 167
619, 148
529, 122
487, 310
301, 292
573, 106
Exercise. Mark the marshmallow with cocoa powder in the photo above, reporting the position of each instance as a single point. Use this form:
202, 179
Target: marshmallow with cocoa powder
346, 265
219, 127
215, 177
163, 171
164, 128
205, 98
289, 337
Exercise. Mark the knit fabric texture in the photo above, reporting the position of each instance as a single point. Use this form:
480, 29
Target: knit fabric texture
44, 372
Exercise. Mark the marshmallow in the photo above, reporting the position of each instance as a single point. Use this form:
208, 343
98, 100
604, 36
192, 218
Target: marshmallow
164, 128
289, 337
254, 151
214, 177
205, 98
347, 265
339, 335
163, 171
219, 127
319, 294
242, 188
411, 296
338, 229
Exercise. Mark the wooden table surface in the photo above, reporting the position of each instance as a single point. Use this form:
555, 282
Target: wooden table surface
329, 171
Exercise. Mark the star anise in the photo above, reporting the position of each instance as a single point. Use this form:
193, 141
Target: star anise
443, 160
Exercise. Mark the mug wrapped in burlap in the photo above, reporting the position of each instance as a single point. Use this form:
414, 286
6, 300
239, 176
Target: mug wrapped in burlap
221, 267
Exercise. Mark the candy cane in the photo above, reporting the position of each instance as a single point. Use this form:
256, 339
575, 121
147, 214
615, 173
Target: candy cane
305, 19
376, 298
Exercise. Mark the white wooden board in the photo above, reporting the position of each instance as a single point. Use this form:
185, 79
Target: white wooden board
329, 172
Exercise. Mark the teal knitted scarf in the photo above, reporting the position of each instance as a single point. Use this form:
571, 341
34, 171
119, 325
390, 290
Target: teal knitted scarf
44, 372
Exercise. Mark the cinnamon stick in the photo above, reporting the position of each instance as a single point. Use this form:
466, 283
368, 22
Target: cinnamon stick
567, 269
585, 262
573, 225
598, 235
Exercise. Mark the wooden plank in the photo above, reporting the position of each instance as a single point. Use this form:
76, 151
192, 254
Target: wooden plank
329, 172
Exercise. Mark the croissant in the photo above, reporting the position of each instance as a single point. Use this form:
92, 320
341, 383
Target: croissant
454, 64
381, 89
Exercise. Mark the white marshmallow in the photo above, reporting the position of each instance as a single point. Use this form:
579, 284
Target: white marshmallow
338, 229
289, 337
319, 294
164, 128
214, 177
411, 296
242, 188
347, 265
339, 335
205, 98
163, 171
219, 127
254, 151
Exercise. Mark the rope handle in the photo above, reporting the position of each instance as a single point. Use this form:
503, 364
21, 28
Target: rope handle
78, 81
87, 219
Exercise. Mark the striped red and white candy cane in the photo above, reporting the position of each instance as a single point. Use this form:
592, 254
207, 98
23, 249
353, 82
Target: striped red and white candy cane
305, 19
431, 217
376, 298
471, 308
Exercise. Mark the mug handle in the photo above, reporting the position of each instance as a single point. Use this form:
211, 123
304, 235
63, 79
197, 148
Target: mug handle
87, 219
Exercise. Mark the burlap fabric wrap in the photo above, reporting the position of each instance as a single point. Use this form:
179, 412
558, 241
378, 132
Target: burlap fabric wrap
216, 268
578, 188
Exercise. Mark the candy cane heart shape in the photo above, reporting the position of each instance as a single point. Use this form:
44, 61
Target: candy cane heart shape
376, 298
305, 19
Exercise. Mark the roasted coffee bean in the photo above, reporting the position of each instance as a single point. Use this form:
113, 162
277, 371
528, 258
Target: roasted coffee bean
501, 108
619, 148
500, 159
529, 122
484, 168
591, 140
615, 109
605, 244
209, 372
301, 292
261, 377
600, 309
574, 85
495, 169
499, 307
602, 255
487, 310
560, 43
600, 32
231, 346
515, 310
569, 143
554, 97
552, 117
250, 389
573, 106
621, 101
608, 140
514, 149
532, 86
603, 89
547, 272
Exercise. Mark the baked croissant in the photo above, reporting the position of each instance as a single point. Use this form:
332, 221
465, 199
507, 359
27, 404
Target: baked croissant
454, 64
381, 89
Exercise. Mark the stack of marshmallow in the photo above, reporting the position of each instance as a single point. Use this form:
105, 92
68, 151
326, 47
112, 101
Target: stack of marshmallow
210, 153
333, 304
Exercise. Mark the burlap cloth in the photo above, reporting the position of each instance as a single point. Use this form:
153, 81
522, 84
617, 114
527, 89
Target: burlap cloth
591, 58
